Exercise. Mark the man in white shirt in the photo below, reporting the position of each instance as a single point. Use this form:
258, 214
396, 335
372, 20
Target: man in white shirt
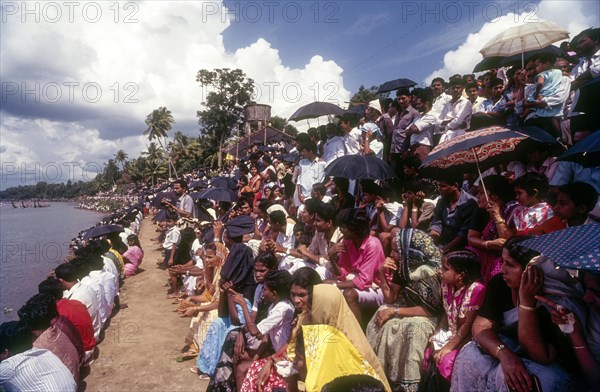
352, 135
334, 146
421, 131
23, 368
456, 115
312, 170
67, 275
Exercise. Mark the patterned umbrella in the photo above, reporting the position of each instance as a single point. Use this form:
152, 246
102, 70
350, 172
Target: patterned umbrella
360, 167
576, 247
482, 148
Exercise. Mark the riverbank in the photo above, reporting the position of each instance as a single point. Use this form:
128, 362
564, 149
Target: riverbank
143, 340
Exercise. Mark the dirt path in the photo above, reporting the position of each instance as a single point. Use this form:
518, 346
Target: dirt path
140, 345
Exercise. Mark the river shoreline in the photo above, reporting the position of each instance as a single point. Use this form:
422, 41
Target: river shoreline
143, 340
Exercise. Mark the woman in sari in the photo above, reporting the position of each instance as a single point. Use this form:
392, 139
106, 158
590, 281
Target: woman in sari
493, 224
255, 183
203, 308
400, 330
515, 345
330, 343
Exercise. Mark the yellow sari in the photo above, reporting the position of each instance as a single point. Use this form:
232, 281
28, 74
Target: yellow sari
334, 343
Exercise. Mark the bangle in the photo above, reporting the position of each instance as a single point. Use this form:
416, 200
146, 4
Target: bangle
499, 221
528, 308
578, 347
415, 209
499, 348
485, 244
396, 312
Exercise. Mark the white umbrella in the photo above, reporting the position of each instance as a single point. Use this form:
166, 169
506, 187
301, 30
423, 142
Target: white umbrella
521, 39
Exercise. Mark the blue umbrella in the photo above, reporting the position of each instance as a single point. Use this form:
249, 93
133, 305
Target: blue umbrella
216, 194
223, 182
170, 196
360, 167
161, 216
316, 109
395, 85
576, 247
99, 231
586, 152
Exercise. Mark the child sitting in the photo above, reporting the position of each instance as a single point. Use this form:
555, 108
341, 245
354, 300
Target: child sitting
574, 202
546, 81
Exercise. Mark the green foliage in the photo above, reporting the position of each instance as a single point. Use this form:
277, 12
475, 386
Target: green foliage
226, 93
282, 124
364, 95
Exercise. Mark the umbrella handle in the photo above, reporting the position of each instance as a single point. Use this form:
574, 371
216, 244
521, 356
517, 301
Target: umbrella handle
479, 171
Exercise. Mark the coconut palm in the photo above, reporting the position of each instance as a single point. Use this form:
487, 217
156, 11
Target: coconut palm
160, 122
121, 157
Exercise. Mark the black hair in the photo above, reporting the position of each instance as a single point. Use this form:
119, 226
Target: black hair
309, 146
466, 76
38, 311
496, 81
354, 383
532, 182
16, 337
465, 261
456, 80
499, 186
264, 205
593, 33
311, 206
545, 58
402, 91
135, 239
51, 286
439, 79
342, 183
396, 105
581, 193
471, 85
268, 259
452, 178
279, 282
306, 278
172, 216
521, 254
412, 161
319, 188
326, 211
302, 138
181, 182
355, 219
66, 272
370, 187
277, 217
313, 133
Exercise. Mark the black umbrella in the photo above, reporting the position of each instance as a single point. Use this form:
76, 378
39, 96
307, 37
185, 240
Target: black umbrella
360, 167
223, 182
316, 109
358, 110
588, 94
292, 157
395, 85
99, 231
161, 216
216, 194
197, 184
585, 152
171, 196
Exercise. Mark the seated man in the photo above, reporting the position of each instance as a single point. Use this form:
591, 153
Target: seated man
23, 368
452, 216
52, 332
360, 256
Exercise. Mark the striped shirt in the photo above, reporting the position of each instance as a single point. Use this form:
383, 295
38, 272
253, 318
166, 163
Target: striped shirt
36, 370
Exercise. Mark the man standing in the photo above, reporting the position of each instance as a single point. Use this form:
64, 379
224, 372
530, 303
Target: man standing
473, 96
405, 117
352, 135
312, 170
185, 204
421, 132
456, 116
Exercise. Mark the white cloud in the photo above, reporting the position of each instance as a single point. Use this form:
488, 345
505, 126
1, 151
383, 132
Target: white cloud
573, 16
152, 62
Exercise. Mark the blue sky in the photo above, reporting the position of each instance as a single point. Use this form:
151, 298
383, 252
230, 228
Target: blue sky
78, 84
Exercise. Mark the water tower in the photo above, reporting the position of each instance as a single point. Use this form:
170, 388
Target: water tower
256, 116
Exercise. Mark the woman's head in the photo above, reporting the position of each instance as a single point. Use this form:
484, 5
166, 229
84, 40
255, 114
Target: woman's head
301, 286
531, 189
214, 254
267, 192
354, 223
277, 285
498, 188
253, 170
460, 268
514, 260
264, 263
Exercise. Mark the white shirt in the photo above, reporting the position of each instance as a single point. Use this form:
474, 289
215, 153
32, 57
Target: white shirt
278, 323
477, 104
36, 370
458, 113
426, 125
286, 240
310, 173
332, 149
99, 294
352, 141
111, 268
172, 237
197, 259
126, 232
107, 281
583, 66
86, 296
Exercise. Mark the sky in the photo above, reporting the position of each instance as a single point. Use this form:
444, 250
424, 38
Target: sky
79, 78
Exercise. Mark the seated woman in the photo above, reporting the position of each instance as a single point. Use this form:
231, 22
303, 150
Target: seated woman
493, 224
585, 338
328, 319
203, 307
513, 340
462, 294
133, 256
400, 330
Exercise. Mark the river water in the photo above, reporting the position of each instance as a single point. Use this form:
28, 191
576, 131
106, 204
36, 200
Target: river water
33, 242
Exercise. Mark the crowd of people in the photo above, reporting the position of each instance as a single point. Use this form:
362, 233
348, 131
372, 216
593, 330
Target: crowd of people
53, 343
412, 283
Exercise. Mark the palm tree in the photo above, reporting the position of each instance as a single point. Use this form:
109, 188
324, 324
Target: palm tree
160, 122
121, 157
154, 161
